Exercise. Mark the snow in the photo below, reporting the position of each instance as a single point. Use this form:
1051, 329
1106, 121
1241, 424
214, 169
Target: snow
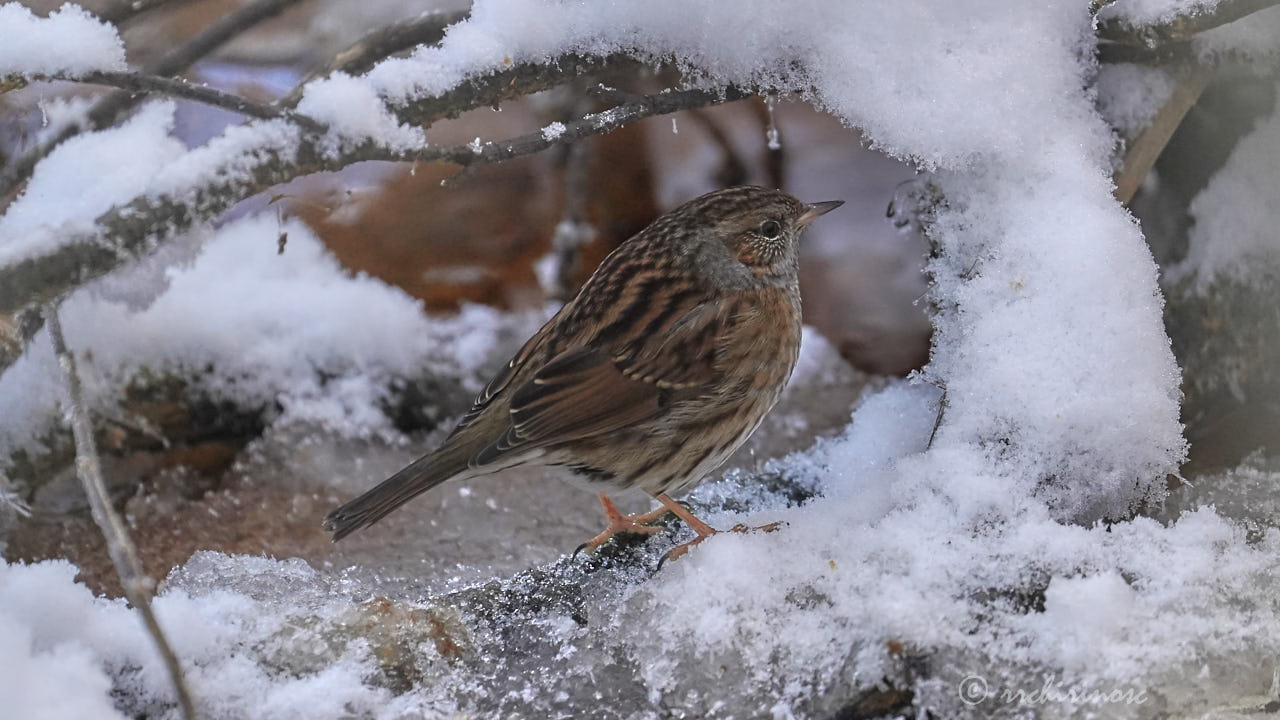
69, 42
1236, 215
1129, 95
140, 157
354, 114
553, 131
294, 329
62, 199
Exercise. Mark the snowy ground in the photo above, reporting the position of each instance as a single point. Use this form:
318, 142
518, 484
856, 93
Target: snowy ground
1006, 562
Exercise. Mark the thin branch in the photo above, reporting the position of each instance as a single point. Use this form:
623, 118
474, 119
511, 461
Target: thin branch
1181, 28
363, 54
599, 123
108, 110
516, 81
178, 88
16, 331
126, 11
137, 586
1146, 148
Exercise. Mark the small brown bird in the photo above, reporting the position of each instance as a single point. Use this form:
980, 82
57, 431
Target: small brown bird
660, 367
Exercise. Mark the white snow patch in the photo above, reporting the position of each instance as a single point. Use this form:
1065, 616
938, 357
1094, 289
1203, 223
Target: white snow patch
267, 325
355, 114
70, 42
1236, 235
1129, 95
63, 197
553, 131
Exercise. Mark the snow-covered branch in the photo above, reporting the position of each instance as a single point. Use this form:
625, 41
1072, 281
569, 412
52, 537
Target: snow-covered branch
363, 54
138, 83
1180, 28
139, 225
111, 108
137, 586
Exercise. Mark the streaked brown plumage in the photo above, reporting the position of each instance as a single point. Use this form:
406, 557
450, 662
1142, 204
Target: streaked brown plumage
663, 364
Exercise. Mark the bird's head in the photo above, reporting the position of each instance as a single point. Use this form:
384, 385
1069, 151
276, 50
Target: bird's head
760, 227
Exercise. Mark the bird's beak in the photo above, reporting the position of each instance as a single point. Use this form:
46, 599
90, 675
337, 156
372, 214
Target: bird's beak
816, 210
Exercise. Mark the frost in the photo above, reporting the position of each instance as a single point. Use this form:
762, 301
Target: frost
70, 41
1152, 12
553, 131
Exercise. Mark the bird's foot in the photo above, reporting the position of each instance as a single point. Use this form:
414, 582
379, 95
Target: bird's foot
620, 524
683, 548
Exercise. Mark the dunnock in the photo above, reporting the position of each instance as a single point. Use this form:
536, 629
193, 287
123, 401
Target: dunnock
663, 364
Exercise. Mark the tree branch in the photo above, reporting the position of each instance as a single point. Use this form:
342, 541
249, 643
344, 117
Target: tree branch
178, 88
516, 81
141, 224
1146, 148
109, 109
1181, 28
137, 586
360, 56
124, 11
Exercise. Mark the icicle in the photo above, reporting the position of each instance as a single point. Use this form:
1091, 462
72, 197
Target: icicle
771, 133
675, 129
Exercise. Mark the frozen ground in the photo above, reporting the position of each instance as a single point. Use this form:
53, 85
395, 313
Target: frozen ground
1002, 561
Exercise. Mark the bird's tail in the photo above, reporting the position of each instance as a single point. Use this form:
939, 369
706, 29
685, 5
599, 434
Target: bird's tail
420, 476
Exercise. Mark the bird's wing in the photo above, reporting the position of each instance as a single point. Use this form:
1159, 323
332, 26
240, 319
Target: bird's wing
602, 387
504, 377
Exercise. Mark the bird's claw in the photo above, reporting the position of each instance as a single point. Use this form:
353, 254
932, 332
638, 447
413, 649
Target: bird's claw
681, 549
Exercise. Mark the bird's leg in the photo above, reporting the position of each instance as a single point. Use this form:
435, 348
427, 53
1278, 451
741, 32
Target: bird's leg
619, 523
704, 530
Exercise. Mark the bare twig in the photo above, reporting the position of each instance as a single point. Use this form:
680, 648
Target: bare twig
1146, 148
1181, 28
16, 331
516, 81
137, 586
732, 170
11, 499
109, 109
125, 11
359, 57
174, 87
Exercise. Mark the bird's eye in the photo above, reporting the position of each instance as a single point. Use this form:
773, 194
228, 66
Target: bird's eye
770, 229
